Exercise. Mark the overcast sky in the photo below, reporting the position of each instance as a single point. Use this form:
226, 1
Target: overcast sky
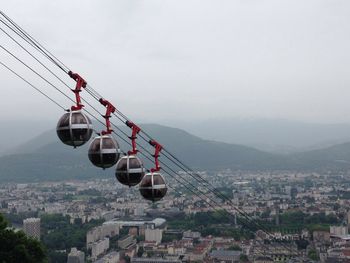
163, 60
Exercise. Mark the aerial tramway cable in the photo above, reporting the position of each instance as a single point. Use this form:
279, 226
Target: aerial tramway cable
32, 41
30, 84
64, 109
183, 183
95, 94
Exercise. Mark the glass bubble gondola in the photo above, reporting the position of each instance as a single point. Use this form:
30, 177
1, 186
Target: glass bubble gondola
74, 128
130, 170
104, 151
153, 187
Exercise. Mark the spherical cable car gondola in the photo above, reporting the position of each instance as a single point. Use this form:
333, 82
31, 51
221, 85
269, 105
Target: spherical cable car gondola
75, 128
130, 170
104, 150
153, 186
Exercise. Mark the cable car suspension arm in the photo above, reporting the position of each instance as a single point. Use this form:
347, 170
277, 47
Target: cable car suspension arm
109, 110
157, 149
81, 83
135, 130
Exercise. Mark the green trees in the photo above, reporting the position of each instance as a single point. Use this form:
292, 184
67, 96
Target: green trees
210, 218
313, 255
243, 258
235, 247
218, 223
298, 220
140, 252
171, 237
302, 243
17, 247
59, 234
57, 257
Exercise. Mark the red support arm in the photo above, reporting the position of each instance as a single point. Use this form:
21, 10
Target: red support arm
81, 83
109, 110
135, 130
157, 150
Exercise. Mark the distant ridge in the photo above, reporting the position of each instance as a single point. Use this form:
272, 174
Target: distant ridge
46, 158
273, 135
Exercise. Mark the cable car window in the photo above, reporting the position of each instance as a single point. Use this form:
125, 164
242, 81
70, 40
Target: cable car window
80, 134
147, 193
134, 163
88, 134
122, 165
64, 135
147, 181
157, 179
64, 121
78, 118
135, 178
109, 159
160, 192
157, 194
95, 158
95, 146
108, 143
122, 178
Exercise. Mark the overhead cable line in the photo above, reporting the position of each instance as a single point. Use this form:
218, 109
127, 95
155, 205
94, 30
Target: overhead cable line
166, 171
95, 94
41, 48
30, 84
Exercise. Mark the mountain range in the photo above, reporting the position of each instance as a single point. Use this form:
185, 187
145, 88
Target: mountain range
46, 158
273, 135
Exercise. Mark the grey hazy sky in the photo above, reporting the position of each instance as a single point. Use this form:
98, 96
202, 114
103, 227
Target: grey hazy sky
160, 59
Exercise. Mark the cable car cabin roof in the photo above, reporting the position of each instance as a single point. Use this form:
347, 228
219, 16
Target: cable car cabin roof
153, 180
104, 143
130, 163
74, 119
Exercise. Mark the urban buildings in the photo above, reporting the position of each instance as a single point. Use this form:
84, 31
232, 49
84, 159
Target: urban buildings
76, 256
154, 235
297, 210
99, 248
338, 230
31, 227
126, 242
112, 257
